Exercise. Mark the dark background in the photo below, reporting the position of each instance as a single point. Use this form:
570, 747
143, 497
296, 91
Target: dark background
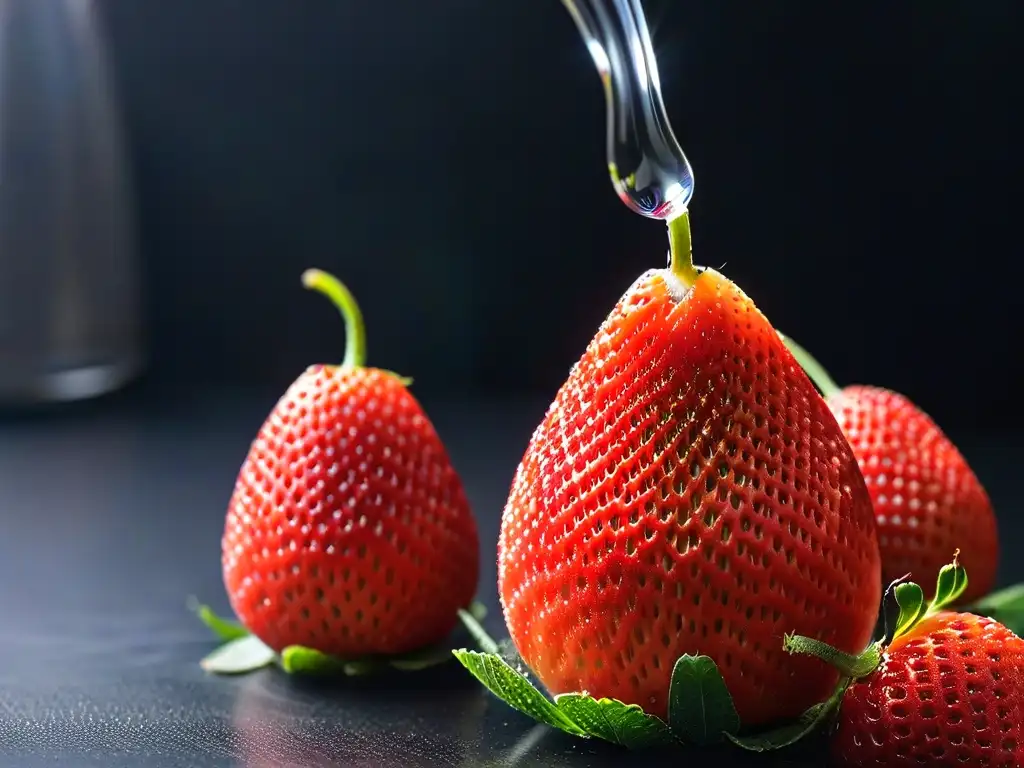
857, 173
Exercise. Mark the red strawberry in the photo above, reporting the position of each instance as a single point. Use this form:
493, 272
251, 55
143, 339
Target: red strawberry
688, 491
947, 693
349, 531
941, 689
927, 500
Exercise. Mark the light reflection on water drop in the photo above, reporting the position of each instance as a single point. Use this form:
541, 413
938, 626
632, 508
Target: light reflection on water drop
649, 170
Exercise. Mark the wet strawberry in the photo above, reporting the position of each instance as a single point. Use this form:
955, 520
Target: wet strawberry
926, 497
688, 491
348, 531
947, 693
940, 689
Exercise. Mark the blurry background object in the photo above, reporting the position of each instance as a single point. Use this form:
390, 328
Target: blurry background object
69, 304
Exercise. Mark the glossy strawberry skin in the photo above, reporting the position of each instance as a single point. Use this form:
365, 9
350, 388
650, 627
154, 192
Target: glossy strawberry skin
928, 502
688, 491
349, 530
947, 694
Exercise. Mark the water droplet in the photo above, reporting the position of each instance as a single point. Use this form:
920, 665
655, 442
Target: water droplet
649, 170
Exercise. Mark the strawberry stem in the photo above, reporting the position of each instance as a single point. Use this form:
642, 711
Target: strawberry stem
342, 298
815, 371
681, 250
849, 665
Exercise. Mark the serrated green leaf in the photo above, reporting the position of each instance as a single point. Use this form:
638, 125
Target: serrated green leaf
788, 735
299, 660
515, 690
949, 586
910, 599
700, 707
1005, 606
243, 654
624, 724
224, 629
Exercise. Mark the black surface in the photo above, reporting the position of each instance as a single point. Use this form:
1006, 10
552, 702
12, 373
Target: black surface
112, 515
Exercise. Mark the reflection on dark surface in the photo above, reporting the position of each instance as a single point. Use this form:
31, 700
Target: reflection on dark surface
365, 722
111, 520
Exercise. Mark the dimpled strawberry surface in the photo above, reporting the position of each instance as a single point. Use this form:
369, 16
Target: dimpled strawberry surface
348, 530
688, 491
947, 694
928, 502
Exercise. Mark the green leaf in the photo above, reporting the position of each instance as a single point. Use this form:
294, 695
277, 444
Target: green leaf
950, 585
788, 735
910, 599
624, 724
1007, 599
1005, 606
405, 380
700, 707
299, 660
815, 371
243, 654
515, 690
224, 629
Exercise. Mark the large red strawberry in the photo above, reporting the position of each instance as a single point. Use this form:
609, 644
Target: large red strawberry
688, 491
941, 689
927, 500
348, 531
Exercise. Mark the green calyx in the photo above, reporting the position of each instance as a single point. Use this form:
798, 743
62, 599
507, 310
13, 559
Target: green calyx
1005, 606
815, 371
241, 652
701, 711
342, 298
681, 250
904, 608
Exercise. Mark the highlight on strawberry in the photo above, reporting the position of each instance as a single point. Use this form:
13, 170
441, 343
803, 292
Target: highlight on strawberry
941, 688
349, 544
927, 499
687, 500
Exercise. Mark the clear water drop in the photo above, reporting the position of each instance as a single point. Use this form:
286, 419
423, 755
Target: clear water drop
649, 170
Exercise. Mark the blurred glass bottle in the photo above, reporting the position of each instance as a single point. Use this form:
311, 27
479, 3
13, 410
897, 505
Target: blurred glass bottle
70, 317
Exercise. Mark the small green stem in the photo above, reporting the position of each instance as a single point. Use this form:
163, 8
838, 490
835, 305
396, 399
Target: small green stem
342, 298
681, 249
814, 370
475, 628
848, 664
